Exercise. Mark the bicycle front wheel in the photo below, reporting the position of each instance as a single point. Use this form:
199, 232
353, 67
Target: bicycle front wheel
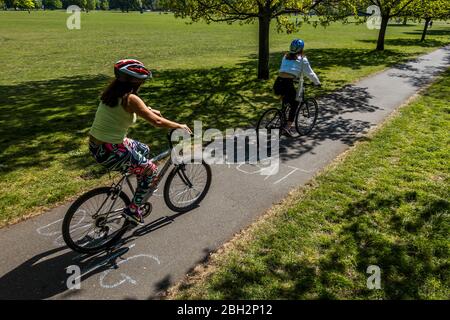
94, 221
306, 117
187, 185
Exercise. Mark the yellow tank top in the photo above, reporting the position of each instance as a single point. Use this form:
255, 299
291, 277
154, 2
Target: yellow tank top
111, 123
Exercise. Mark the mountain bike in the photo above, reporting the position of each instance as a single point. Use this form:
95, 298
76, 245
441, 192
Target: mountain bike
305, 117
94, 221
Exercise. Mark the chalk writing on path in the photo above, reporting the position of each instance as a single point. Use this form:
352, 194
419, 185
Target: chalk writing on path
284, 172
53, 229
108, 280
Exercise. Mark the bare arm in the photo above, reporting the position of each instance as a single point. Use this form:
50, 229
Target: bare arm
136, 105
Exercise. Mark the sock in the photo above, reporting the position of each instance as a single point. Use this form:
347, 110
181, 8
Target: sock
133, 207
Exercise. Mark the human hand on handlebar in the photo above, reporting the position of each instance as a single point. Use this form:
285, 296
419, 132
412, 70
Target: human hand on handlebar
185, 127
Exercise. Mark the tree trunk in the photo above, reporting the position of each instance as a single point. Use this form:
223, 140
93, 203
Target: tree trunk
263, 57
425, 28
382, 34
405, 21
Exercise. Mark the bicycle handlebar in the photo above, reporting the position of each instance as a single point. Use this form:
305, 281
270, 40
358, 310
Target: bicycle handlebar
169, 136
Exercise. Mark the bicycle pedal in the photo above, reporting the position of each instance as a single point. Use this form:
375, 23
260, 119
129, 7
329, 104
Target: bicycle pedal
146, 209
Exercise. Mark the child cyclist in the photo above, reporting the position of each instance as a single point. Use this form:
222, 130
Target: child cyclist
108, 142
293, 65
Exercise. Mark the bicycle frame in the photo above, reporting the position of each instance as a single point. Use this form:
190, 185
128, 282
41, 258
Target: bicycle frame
300, 91
118, 187
161, 172
300, 95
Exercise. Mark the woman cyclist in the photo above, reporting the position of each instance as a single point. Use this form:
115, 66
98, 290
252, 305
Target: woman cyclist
116, 112
294, 63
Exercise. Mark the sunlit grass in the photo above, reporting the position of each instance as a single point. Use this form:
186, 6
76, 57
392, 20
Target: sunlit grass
385, 204
51, 78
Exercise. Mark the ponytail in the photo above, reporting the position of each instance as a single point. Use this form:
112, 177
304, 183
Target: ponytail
293, 56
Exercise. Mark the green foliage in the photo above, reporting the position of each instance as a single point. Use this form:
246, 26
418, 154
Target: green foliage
24, 4
90, 4
388, 8
103, 4
429, 9
52, 4
154, 4
81, 3
125, 5
248, 11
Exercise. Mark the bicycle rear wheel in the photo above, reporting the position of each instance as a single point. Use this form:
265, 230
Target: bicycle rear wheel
94, 222
270, 120
187, 185
306, 116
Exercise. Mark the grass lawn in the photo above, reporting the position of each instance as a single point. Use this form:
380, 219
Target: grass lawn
52, 78
386, 203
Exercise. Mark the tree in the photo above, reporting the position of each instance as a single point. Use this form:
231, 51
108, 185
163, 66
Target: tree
90, 5
388, 9
52, 4
124, 5
81, 3
248, 11
103, 4
24, 4
428, 10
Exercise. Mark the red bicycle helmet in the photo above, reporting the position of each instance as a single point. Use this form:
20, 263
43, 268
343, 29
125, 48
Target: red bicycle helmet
131, 70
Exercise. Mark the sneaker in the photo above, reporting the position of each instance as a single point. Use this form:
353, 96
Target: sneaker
133, 215
288, 131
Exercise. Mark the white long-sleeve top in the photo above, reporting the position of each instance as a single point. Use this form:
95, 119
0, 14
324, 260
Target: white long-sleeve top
296, 67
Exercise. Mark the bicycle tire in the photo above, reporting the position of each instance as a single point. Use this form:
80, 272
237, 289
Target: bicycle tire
286, 110
73, 209
167, 196
307, 106
275, 113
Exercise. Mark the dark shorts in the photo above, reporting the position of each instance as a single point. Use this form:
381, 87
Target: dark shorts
285, 87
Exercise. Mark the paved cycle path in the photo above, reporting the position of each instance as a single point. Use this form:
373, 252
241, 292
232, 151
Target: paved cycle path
34, 258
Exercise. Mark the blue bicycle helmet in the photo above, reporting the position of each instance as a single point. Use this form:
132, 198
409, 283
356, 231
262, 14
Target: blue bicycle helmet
296, 46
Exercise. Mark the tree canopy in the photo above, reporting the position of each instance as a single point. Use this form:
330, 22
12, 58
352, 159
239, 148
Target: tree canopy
428, 10
388, 10
249, 11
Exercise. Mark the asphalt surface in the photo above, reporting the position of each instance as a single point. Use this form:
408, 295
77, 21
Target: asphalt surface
153, 257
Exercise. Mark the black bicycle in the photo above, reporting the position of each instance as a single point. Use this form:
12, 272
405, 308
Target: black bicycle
305, 117
94, 221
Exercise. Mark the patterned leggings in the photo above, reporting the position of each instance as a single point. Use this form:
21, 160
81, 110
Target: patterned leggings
131, 156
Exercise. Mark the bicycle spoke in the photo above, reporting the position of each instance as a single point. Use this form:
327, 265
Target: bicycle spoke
180, 192
96, 221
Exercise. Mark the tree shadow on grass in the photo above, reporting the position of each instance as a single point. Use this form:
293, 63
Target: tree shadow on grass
42, 120
430, 32
428, 43
326, 59
409, 253
45, 121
